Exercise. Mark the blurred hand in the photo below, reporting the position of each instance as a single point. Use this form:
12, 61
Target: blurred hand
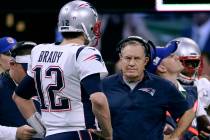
25, 132
168, 129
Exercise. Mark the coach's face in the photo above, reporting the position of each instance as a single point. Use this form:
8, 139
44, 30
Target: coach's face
133, 62
17, 72
172, 64
4, 61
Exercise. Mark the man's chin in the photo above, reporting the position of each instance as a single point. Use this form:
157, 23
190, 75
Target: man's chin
131, 76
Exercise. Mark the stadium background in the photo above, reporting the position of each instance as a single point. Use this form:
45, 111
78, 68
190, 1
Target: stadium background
36, 19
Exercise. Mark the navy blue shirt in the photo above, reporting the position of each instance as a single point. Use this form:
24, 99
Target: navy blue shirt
192, 94
9, 113
140, 114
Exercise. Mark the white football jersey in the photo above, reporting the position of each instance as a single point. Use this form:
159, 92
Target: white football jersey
203, 86
58, 70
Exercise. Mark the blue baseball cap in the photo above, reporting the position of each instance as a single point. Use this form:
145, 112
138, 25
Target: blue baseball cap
161, 53
6, 44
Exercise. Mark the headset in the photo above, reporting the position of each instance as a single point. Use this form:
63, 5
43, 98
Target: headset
148, 45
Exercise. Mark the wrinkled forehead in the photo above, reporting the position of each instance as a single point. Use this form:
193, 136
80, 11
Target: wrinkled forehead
133, 48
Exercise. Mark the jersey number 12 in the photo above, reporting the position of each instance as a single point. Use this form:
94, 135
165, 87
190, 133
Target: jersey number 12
56, 103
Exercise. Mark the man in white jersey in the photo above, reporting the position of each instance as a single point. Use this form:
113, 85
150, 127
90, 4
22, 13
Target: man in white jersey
206, 80
67, 79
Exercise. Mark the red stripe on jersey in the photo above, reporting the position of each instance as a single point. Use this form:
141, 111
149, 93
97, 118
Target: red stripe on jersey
91, 57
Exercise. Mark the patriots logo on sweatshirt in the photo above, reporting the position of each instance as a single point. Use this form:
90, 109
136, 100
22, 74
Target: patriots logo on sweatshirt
151, 91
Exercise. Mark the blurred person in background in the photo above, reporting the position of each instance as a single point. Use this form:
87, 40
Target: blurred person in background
6, 43
168, 66
206, 78
199, 31
206, 65
190, 55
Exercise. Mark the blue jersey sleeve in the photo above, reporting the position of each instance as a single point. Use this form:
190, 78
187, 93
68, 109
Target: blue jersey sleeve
92, 83
26, 89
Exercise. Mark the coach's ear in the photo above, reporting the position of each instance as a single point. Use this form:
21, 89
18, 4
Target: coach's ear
12, 62
161, 68
146, 61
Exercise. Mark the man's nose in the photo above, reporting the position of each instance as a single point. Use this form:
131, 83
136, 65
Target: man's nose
132, 62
